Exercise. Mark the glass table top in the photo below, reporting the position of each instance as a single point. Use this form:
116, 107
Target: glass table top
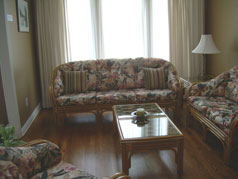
159, 123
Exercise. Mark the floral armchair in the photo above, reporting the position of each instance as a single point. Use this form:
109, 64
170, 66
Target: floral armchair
40, 159
215, 104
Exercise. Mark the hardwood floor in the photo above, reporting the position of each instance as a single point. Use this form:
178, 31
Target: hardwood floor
93, 147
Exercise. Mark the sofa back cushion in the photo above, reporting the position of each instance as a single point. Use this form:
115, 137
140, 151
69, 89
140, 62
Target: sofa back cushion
116, 74
222, 88
154, 78
231, 91
233, 73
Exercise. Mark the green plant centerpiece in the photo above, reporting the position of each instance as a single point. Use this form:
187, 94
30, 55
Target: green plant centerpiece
8, 138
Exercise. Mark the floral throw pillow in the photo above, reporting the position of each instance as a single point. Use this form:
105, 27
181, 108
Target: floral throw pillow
231, 91
154, 78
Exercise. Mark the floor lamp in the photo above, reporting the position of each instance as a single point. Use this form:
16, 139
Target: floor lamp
206, 46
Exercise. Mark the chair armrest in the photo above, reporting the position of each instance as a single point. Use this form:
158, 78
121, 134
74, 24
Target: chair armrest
213, 87
33, 157
199, 89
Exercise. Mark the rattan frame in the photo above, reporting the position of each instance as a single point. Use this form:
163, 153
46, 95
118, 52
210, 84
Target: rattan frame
228, 140
98, 109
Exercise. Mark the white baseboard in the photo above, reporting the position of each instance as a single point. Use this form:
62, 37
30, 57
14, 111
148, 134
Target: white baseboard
30, 120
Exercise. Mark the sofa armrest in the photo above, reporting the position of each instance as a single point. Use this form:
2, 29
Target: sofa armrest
33, 157
174, 82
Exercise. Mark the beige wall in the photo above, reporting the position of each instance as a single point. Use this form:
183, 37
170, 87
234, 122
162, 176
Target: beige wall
222, 23
3, 112
22, 52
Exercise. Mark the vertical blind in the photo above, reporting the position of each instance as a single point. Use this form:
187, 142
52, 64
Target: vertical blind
117, 29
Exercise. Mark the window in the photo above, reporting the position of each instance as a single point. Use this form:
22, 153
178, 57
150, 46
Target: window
160, 29
80, 30
122, 28
117, 28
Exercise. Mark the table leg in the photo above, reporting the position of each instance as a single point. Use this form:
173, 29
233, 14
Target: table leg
125, 162
180, 157
114, 123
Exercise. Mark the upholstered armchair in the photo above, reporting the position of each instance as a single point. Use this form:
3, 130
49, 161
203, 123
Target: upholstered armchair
40, 159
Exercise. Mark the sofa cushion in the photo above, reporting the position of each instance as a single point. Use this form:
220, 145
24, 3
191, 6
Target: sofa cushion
144, 95
77, 99
64, 170
115, 97
231, 91
219, 110
75, 82
114, 74
31, 160
154, 78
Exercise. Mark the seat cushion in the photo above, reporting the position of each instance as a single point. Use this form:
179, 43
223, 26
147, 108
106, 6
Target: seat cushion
63, 170
221, 111
77, 99
115, 97
144, 95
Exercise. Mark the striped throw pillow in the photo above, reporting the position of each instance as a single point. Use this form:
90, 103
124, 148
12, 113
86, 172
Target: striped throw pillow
75, 82
154, 78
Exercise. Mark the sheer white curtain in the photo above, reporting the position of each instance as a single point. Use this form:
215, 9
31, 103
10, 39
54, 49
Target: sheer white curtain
186, 19
117, 28
80, 31
51, 41
122, 28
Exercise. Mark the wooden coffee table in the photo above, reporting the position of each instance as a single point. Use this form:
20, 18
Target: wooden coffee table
160, 133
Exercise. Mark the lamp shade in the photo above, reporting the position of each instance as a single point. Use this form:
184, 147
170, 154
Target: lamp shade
206, 45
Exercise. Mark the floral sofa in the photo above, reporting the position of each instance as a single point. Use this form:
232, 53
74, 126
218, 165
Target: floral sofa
215, 104
40, 160
114, 81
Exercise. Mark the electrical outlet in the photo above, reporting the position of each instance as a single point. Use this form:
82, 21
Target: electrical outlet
27, 102
10, 17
